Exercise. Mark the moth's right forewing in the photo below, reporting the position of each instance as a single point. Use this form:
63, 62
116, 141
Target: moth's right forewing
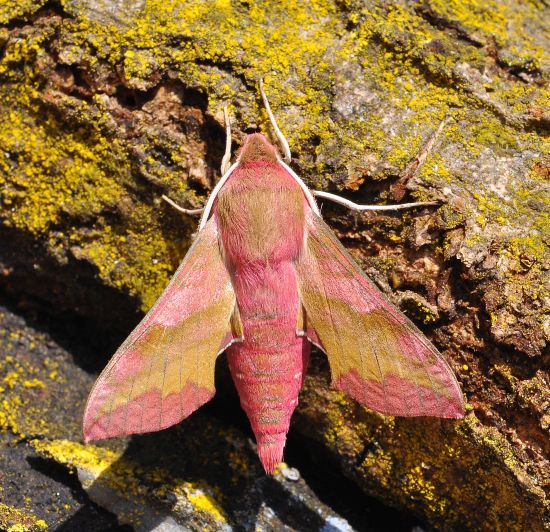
375, 353
165, 369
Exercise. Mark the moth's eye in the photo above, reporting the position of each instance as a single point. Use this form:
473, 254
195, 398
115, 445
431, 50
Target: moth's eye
253, 129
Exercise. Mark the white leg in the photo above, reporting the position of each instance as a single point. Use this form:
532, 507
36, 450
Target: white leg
356, 207
411, 169
181, 209
284, 143
226, 161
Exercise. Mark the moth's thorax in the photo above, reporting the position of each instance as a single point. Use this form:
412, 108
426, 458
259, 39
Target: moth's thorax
261, 214
257, 148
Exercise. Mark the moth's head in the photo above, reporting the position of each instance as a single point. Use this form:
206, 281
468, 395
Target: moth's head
257, 148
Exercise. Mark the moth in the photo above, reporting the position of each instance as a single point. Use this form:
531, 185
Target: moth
264, 280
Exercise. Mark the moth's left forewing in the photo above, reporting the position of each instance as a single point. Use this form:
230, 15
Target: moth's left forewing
165, 369
375, 353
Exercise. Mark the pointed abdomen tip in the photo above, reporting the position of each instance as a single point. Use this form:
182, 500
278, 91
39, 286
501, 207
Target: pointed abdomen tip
271, 454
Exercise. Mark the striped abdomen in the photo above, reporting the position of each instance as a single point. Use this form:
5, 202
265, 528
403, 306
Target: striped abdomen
268, 375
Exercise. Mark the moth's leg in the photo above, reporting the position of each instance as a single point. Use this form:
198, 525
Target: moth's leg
399, 188
181, 209
284, 143
356, 207
226, 161
226, 164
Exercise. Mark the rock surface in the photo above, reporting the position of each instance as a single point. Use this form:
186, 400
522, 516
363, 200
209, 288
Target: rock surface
106, 105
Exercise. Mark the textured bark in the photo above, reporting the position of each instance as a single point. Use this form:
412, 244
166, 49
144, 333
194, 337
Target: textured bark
105, 105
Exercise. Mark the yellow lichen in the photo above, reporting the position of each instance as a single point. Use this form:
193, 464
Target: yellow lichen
18, 520
127, 477
503, 21
90, 457
14, 9
203, 502
19, 413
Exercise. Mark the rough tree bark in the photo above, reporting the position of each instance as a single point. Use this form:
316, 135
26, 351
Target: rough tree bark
105, 105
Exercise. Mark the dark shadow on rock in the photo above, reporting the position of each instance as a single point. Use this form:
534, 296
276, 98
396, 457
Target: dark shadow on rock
88, 519
324, 477
58, 473
89, 322
90, 516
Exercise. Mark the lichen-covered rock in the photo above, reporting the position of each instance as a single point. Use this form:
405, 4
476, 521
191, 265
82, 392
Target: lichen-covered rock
106, 105
201, 475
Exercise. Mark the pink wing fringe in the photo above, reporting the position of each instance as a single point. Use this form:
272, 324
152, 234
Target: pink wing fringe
147, 412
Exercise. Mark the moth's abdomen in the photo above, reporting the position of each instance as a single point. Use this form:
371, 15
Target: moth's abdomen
268, 366
268, 371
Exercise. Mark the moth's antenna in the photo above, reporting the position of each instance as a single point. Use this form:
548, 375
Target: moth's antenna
226, 161
280, 136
